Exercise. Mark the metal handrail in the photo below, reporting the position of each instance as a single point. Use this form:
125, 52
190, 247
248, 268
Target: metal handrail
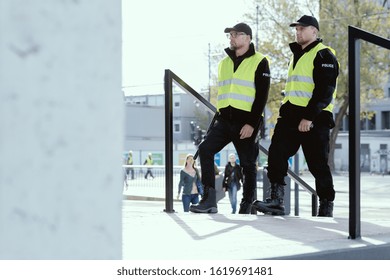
168, 79
184, 86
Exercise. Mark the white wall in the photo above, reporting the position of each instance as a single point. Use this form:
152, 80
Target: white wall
61, 125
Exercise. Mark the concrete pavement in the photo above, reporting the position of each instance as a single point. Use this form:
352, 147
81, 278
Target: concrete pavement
150, 233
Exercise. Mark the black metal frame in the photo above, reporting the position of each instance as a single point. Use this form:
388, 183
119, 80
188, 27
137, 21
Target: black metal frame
169, 77
168, 142
354, 37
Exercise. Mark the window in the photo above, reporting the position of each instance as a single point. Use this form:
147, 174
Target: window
176, 104
386, 120
366, 123
371, 123
176, 127
363, 124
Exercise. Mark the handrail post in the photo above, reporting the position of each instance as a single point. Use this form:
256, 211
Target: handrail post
296, 186
354, 134
314, 205
168, 142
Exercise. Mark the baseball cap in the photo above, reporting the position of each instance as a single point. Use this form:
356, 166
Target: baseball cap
306, 21
240, 27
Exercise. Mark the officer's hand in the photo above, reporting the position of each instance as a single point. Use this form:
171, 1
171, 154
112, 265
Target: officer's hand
305, 125
246, 131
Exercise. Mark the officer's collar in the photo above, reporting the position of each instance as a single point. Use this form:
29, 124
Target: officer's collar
232, 54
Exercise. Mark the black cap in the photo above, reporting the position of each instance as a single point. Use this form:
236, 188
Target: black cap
240, 27
306, 21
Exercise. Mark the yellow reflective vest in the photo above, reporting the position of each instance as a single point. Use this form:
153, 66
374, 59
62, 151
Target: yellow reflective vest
237, 89
300, 85
149, 161
130, 159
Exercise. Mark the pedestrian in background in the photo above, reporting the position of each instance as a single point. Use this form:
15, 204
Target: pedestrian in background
232, 180
130, 162
149, 162
126, 184
190, 182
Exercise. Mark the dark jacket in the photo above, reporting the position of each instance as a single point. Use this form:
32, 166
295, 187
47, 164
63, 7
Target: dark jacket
325, 82
228, 177
262, 84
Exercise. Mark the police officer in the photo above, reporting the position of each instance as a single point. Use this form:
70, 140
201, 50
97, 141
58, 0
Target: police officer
305, 118
243, 85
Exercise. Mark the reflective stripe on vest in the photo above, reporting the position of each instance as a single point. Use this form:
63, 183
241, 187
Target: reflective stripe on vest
237, 89
300, 85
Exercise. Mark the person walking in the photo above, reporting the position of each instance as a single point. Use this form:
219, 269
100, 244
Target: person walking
232, 180
305, 118
243, 86
190, 183
130, 162
149, 162
126, 184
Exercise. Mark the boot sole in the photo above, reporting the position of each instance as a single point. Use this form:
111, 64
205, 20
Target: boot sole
211, 210
267, 210
246, 211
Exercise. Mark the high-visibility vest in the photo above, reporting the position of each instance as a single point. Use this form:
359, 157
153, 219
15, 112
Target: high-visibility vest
237, 89
300, 85
149, 161
130, 160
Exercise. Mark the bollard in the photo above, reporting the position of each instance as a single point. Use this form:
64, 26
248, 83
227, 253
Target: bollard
287, 191
220, 193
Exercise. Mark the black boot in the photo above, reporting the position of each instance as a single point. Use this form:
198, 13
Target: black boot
208, 203
274, 204
326, 208
245, 207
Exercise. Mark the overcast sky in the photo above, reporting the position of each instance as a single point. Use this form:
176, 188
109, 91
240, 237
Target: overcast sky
174, 34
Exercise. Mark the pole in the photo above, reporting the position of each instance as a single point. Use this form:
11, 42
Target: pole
257, 27
263, 125
296, 186
209, 94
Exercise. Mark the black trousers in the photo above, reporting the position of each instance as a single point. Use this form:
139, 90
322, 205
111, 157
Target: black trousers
315, 145
222, 133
